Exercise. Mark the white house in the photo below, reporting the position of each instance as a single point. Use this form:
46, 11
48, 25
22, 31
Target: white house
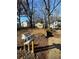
54, 25
24, 21
24, 24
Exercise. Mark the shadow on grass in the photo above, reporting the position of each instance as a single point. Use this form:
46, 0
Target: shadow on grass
44, 48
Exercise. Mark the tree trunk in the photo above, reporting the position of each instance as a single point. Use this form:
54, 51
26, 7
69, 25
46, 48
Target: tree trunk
48, 13
31, 21
19, 12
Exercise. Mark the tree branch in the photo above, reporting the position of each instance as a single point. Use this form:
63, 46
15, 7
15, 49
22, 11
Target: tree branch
45, 4
55, 7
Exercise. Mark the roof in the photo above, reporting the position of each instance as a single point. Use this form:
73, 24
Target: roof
24, 18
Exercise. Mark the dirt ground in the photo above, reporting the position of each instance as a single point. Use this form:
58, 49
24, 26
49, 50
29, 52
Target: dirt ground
46, 48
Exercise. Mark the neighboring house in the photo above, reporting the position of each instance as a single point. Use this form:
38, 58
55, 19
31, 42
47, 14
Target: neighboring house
39, 25
24, 21
54, 25
24, 24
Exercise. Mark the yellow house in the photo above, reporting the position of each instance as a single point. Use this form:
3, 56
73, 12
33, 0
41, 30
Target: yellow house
39, 25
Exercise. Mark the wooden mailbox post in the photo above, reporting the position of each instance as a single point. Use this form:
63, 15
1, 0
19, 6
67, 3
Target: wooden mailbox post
33, 46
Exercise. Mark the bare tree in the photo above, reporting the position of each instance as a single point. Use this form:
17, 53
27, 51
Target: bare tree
18, 12
26, 6
45, 8
44, 13
47, 5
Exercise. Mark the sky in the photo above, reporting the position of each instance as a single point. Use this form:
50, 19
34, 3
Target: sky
38, 5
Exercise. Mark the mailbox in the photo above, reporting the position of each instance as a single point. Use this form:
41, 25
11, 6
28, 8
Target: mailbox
27, 38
